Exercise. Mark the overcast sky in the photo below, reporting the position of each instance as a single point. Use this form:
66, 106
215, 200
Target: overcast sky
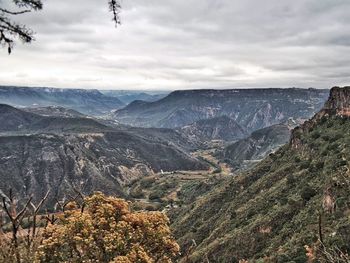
183, 44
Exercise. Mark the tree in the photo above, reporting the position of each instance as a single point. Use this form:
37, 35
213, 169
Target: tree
107, 231
11, 30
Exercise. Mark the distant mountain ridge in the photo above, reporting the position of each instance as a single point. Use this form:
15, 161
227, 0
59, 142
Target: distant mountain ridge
252, 109
129, 96
91, 102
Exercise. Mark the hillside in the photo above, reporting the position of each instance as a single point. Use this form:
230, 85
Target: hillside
17, 121
38, 153
255, 147
286, 202
54, 111
91, 102
252, 109
218, 128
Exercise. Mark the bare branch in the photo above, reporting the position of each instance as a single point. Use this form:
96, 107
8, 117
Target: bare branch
114, 7
14, 12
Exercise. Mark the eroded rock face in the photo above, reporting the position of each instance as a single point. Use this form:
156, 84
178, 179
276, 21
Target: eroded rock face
339, 101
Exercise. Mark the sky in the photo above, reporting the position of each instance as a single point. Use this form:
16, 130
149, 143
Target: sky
184, 44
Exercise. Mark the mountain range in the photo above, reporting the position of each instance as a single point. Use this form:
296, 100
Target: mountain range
252, 109
90, 102
128, 96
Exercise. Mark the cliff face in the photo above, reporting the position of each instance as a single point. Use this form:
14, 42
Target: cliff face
339, 101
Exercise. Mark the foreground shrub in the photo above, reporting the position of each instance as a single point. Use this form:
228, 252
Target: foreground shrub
107, 231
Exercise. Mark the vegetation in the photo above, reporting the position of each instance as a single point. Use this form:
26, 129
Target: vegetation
297, 197
96, 229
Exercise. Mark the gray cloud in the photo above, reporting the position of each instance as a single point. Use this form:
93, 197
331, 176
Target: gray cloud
166, 44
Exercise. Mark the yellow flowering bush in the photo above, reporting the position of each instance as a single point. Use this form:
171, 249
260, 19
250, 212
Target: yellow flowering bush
107, 231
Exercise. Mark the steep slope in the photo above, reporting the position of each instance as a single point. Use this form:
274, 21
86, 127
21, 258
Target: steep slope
91, 102
218, 128
284, 203
38, 153
168, 136
252, 109
12, 119
255, 147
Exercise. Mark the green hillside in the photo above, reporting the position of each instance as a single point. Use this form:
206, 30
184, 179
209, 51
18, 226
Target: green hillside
274, 210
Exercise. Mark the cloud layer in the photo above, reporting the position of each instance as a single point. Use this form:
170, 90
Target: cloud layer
166, 44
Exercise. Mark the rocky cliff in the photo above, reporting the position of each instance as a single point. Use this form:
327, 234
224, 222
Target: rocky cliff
339, 101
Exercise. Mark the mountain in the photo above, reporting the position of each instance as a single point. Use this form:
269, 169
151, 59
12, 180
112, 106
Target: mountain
13, 119
38, 153
255, 147
296, 197
129, 96
19, 121
218, 128
91, 102
252, 109
54, 111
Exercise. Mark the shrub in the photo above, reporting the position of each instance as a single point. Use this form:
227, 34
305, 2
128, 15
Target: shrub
107, 231
307, 193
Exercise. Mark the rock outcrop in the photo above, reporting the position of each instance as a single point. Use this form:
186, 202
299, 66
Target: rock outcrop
339, 101
338, 104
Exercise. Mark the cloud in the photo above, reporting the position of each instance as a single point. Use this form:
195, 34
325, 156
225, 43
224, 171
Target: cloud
184, 44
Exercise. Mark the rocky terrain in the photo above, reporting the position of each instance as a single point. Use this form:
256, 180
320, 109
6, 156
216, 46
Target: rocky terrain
218, 128
252, 109
43, 152
296, 198
90, 102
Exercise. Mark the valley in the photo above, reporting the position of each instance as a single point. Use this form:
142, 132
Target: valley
217, 180
210, 131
